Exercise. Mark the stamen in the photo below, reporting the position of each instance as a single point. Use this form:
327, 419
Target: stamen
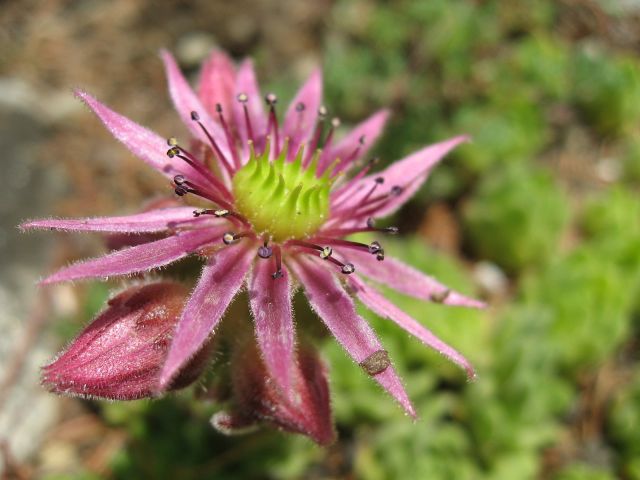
265, 251
227, 132
272, 100
196, 118
346, 161
342, 232
228, 238
243, 99
346, 268
335, 123
233, 217
326, 252
184, 186
278, 260
191, 160
317, 133
372, 248
339, 195
232, 237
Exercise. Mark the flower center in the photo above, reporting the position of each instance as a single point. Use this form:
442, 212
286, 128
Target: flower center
282, 199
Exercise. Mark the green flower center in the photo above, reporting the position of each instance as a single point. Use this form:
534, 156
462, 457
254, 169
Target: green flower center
282, 199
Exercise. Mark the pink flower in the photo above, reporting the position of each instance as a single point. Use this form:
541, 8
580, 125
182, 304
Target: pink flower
284, 194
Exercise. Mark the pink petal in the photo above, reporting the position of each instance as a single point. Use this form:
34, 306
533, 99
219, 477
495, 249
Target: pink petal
143, 143
271, 306
139, 258
369, 131
217, 82
152, 221
377, 303
332, 304
408, 173
186, 101
220, 281
299, 125
246, 83
408, 280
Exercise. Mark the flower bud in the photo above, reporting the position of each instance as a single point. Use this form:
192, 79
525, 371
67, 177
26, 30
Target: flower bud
256, 398
120, 354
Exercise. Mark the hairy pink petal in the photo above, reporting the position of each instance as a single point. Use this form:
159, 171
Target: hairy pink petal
217, 82
299, 125
139, 258
377, 303
151, 221
271, 306
220, 281
332, 304
143, 143
186, 101
120, 354
246, 83
409, 174
408, 280
368, 131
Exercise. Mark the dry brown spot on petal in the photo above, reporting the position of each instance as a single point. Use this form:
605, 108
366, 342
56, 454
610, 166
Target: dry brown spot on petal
440, 297
376, 363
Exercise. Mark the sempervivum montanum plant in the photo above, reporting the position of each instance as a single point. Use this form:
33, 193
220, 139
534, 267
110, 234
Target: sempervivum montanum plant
281, 197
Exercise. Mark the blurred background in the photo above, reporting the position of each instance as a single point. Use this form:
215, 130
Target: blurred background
540, 216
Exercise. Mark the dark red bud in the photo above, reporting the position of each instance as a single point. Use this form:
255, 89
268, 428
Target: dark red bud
305, 409
120, 354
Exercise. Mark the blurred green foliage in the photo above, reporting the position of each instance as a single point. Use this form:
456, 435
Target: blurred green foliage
504, 73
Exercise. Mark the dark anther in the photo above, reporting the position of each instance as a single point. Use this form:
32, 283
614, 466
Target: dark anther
379, 180
326, 252
173, 151
181, 190
371, 222
218, 108
194, 116
348, 268
179, 179
172, 141
197, 213
374, 247
242, 97
300, 107
276, 274
228, 238
396, 190
362, 139
392, 230
380, 255
265, 251
271, 99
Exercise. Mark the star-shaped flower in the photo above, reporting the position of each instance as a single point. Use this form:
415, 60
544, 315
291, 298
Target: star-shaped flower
282, 196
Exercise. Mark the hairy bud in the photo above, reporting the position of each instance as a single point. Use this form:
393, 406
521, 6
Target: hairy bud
120, 354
